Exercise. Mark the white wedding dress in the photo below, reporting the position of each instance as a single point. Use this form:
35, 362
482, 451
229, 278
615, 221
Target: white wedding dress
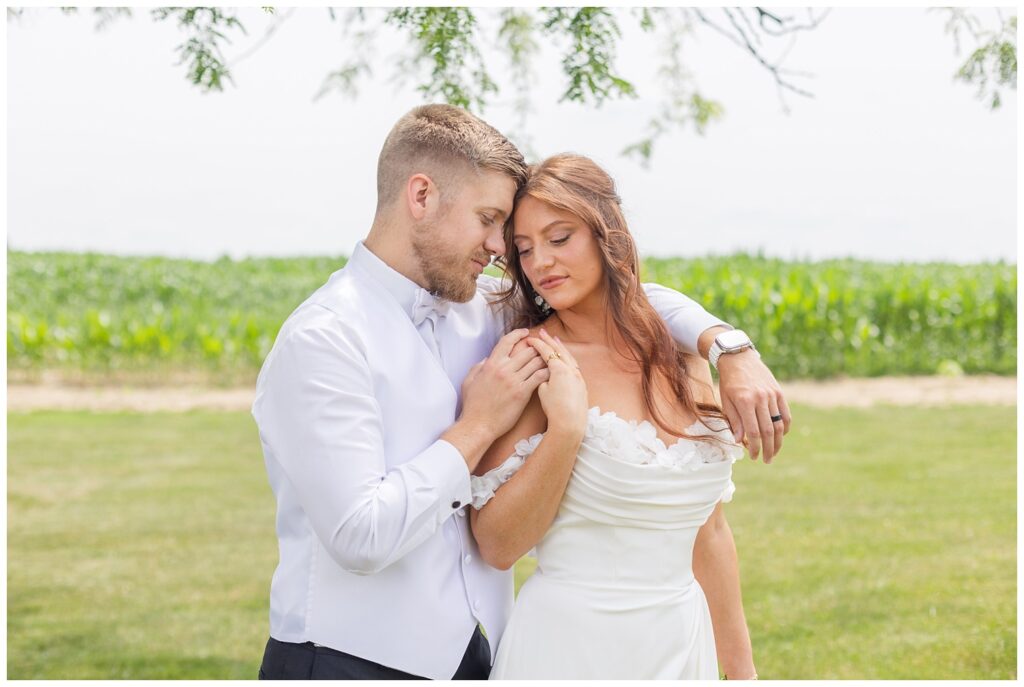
614, 595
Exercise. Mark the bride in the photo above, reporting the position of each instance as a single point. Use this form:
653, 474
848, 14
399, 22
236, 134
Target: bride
616, 471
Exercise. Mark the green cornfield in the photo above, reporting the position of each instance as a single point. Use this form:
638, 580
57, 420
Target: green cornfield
99, 316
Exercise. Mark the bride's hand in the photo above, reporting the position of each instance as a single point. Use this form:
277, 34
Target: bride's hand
564, 396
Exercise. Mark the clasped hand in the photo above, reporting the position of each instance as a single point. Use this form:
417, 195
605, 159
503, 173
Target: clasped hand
564, 396
496, 389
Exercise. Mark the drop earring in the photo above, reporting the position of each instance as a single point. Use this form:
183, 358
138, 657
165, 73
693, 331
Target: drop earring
542, 304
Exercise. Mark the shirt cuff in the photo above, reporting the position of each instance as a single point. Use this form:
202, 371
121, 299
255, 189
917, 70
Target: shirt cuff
448, 466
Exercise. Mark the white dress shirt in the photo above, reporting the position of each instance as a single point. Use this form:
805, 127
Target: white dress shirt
363, 378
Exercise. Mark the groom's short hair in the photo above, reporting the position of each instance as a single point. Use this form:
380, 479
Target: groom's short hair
443, 142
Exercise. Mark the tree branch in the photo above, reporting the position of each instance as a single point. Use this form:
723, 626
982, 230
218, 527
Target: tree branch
271, 30
781, 22
744, 42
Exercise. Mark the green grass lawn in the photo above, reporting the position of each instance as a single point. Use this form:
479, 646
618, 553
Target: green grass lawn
881, 544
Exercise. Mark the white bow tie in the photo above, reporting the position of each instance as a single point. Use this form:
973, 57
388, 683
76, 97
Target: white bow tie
427, 303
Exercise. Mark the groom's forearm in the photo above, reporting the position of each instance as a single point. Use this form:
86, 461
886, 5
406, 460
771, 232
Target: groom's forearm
707, 338
686, 320
320, 425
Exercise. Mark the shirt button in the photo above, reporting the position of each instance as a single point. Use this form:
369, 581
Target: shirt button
467, 560
461, 513
476, 605
456, 504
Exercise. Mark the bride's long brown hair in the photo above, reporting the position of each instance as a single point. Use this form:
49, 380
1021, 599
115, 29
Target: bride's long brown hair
578, 185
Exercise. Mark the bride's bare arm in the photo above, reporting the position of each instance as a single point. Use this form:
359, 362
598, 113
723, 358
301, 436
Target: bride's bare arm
716, 565
716, 568
522, 509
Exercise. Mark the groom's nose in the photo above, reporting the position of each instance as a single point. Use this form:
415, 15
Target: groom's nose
495, 243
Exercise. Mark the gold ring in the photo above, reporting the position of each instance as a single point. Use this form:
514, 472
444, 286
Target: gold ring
553, 356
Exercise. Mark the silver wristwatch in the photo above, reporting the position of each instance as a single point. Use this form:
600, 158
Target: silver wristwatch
732, 341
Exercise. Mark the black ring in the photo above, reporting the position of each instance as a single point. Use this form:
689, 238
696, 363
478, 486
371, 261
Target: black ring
776, 418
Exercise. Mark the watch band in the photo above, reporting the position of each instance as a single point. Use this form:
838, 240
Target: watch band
716, 351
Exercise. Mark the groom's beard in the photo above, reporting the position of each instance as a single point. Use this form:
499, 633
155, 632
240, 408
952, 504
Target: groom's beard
448, 275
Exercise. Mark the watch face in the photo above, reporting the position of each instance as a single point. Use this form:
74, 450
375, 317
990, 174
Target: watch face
732, 339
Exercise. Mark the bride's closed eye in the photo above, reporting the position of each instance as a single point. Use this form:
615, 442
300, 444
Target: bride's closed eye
557, 242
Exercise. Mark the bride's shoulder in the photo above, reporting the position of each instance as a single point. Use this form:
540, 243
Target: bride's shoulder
550, 324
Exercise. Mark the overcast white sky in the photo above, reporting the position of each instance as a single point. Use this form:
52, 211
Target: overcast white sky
111, 150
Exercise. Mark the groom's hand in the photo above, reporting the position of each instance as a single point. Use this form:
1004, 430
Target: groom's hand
494, 394
750, 398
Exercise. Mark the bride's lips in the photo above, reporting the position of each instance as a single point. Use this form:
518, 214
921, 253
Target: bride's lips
551, 282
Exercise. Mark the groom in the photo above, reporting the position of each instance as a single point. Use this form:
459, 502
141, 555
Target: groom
380, 396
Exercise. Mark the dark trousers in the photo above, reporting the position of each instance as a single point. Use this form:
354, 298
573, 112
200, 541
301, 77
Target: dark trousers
288, 661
